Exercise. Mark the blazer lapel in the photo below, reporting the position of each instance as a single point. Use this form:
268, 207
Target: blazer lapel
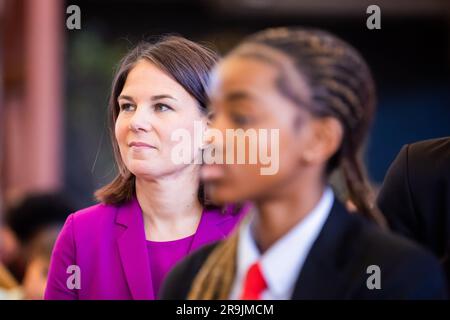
208, 229
216, 225
325, 272
133, 251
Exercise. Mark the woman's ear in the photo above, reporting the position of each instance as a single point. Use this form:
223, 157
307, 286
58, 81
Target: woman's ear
209, 117
326, 138
206, 122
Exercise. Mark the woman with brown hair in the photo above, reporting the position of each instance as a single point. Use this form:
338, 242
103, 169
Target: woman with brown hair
301, 243
154, 212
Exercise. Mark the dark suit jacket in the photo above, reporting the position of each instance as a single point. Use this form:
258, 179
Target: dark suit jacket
415, 196
336, 266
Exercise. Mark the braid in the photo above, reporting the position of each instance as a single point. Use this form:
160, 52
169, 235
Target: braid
216, 276
359, 190
342, 87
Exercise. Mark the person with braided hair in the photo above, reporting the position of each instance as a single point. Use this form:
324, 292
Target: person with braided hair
300, 242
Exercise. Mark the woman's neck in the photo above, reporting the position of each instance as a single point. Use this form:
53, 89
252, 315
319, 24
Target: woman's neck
283, 210
170, 205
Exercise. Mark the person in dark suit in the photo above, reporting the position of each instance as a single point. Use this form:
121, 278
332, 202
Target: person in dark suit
415, 196
336, 267
300, 242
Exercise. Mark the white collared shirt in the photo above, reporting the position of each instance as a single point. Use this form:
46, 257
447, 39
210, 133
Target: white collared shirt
282, 262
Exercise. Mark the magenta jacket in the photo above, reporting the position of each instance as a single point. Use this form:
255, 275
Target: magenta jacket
108, 245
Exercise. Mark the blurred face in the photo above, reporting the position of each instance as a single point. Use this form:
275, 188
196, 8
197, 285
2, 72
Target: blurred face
152, 107
9, 245
244, 95
35, 278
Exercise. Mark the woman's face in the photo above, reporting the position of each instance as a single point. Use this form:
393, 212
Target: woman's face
244, 95
152, 107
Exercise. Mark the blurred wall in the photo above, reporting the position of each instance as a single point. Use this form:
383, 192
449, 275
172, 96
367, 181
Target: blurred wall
32, 99
56, 81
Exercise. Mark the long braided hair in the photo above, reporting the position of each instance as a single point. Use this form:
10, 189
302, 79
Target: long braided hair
341, 86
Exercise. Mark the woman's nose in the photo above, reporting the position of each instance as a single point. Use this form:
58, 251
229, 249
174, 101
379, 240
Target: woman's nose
140, 121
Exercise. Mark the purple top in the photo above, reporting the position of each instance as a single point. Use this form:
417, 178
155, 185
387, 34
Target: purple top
164, 255
102, 252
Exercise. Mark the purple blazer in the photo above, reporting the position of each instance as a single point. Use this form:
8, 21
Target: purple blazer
108, 245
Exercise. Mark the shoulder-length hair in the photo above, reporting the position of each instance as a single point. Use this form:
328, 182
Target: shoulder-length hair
189, 64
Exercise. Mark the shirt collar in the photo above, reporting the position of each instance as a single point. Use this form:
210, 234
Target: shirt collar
283, 261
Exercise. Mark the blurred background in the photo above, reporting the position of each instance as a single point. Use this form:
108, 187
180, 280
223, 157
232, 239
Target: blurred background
55, 83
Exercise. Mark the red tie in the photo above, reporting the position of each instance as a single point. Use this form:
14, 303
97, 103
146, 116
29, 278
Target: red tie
254, 283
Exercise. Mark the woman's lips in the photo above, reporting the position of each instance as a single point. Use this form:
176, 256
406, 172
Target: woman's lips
212, 171
138, 144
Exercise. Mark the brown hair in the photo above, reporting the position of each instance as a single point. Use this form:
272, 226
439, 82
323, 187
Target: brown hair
186, 62
342, 87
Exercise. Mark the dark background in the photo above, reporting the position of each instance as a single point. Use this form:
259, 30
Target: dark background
409, 57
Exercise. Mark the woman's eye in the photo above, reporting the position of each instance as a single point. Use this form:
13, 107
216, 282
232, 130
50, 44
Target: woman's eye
127, 107
160, 107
